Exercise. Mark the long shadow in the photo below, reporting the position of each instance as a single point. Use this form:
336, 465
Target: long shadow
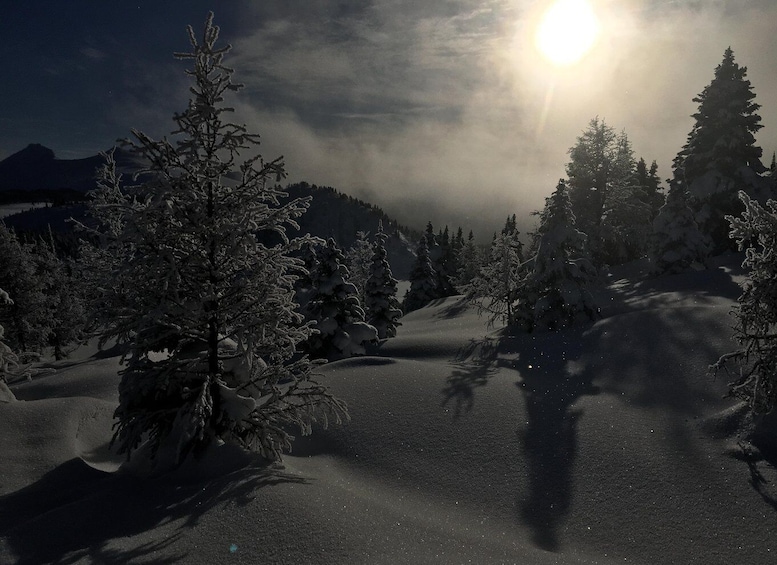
74, 511
758, 450
752, 455
544, 363
550, 387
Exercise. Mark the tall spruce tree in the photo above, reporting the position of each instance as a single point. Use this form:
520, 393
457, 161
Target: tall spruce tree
470, 262
383, 308
649, 186
556, 292
357, 259
625, 224
458, 244
440, 255
445, 264
720, 156
589, 173
603, 195
423, 279
202, 270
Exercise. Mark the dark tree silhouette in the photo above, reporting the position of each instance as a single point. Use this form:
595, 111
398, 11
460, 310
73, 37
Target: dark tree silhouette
720, 156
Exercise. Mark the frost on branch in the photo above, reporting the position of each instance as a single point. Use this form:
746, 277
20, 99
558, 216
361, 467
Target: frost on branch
755, 362
497, 287
195, 281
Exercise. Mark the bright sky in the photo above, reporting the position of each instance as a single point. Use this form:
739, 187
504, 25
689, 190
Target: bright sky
449, 111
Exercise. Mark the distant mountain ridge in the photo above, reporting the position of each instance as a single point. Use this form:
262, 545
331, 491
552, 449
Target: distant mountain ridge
35, 175
35, 171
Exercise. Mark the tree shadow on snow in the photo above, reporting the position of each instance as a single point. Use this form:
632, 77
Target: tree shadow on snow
474, 366
755, 457
455, 307
74, 512
695, 287
551, 384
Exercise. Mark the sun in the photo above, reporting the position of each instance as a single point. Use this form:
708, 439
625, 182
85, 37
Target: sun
567, 31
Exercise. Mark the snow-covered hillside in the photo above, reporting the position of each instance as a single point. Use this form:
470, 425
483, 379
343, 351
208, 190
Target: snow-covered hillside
605, 443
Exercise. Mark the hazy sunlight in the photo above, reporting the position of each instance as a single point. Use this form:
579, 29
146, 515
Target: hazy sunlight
567, 31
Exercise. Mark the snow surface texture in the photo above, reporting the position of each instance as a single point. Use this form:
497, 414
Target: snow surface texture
603, 443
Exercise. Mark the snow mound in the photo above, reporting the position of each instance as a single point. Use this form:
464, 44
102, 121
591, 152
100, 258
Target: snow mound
40, 435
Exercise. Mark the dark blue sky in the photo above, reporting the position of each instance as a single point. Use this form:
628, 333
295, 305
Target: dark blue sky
77, 66
440, 110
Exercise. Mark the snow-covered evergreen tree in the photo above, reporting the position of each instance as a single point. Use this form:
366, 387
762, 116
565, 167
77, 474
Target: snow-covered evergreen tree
9, 362
334, 307
358, 259
444, 263
755, 232
457, 244
649, 186
625, 226
601, 161
720, 156
303, 286
193, 277
556, 291
470, 262
677, 242
497, 287
423, 279
67, 318
441, 257
383, 308
27, 320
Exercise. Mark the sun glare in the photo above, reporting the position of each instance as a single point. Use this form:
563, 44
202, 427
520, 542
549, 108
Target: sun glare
567, 31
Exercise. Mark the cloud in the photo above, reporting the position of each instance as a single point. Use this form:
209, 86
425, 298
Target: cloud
399, 105
93, 53
381, 60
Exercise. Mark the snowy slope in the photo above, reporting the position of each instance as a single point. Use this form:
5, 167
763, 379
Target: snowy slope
606, 443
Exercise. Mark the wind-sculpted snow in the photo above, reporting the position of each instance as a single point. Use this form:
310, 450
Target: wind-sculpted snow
603, 443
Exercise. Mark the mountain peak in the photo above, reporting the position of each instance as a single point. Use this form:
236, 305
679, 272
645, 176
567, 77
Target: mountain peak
33, 153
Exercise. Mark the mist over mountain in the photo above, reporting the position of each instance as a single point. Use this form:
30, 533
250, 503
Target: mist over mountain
34, 174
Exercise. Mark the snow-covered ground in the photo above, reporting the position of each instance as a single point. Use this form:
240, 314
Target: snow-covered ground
606, 443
